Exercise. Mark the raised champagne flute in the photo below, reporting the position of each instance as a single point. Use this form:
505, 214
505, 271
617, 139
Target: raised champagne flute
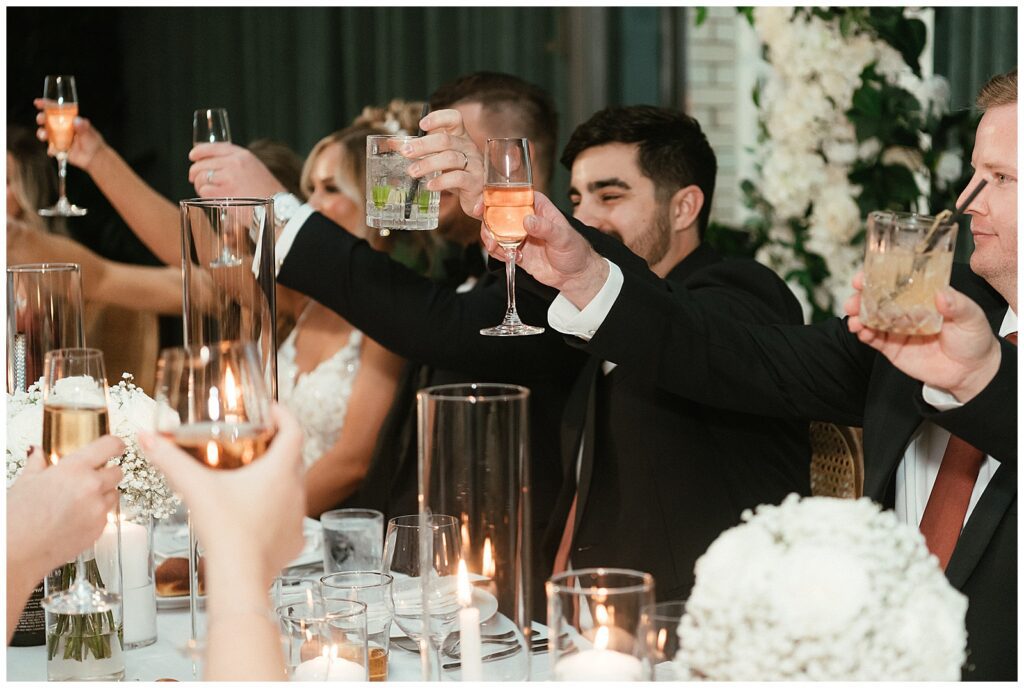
508, 199
74, 414
210, 125
60, 110
212, 401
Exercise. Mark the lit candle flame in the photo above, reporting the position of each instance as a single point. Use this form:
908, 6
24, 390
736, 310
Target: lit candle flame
465, 589
212, 454
601, 638
232, 392
488, 569
662, 639
601, 615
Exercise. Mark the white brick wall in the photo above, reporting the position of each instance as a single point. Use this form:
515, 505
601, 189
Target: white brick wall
712, 97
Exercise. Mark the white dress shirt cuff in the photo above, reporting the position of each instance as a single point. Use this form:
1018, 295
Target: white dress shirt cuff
567, 319
939, 398
288, 234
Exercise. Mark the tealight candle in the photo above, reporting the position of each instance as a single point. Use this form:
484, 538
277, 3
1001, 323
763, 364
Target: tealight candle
469, 629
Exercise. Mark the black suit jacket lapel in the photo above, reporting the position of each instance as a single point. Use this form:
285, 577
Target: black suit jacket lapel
593, 373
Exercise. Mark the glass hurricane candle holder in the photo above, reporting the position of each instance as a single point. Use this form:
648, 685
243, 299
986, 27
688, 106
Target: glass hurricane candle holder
223, 240
325, 642
594, 620
474, 465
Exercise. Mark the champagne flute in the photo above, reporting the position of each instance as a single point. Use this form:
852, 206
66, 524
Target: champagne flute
210, 125
424, 576
74, 414
508, 199
60, 111
213, 403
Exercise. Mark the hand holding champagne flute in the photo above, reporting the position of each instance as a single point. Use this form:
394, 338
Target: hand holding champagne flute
74, 414
60, 110
508, 199
212, 402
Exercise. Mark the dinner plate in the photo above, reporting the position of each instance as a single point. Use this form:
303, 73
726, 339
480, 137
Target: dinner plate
173, 542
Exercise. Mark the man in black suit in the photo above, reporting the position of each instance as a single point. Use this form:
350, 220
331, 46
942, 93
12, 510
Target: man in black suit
653, 478
434, 325
942, 453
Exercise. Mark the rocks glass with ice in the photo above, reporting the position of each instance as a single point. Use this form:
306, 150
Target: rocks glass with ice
908, 259
394, 200
353, 539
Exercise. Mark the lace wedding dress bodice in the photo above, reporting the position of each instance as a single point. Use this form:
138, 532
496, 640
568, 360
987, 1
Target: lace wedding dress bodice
319, 398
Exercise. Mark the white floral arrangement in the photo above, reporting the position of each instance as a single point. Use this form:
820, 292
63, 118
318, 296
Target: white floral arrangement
811, 144
143, 487
821, 589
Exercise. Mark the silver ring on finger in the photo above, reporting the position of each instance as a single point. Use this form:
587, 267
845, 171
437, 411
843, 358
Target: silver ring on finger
465, 160
209, 176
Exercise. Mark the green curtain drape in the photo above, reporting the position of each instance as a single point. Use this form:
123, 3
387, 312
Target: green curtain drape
296, 74
971, 45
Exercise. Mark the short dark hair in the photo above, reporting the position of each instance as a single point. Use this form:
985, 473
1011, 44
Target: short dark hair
500, 92
673, 151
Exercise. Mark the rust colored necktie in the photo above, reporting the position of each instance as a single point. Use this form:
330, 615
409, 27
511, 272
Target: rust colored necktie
951, 494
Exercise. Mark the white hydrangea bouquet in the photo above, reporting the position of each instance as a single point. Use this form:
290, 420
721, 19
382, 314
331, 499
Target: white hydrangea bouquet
143, 488
821, 589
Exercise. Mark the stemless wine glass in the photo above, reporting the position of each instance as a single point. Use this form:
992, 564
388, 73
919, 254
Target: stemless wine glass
213, 403
210, 125
60, 111
74, 414
508, 199
420, 577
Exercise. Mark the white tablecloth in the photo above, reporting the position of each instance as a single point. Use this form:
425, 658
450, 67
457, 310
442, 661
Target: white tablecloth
164, 658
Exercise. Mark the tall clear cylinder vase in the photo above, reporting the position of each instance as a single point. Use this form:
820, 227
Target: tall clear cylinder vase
474, 465
44, 312
229, 275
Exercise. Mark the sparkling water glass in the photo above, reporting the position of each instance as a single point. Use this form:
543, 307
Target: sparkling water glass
353, 539
395, 200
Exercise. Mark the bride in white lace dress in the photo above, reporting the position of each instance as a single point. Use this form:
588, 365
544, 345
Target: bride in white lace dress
339, 384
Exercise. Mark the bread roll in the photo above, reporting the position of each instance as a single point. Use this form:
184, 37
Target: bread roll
172, 577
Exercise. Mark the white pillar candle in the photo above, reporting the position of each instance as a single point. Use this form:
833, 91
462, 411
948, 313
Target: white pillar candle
599, 663
327, 668
469, 629
139, 598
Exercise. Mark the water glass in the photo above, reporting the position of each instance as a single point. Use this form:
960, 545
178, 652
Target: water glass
660, 637
373, 589
908, 259
394, 199
353, 539
595, 617
324, 643
286, 590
